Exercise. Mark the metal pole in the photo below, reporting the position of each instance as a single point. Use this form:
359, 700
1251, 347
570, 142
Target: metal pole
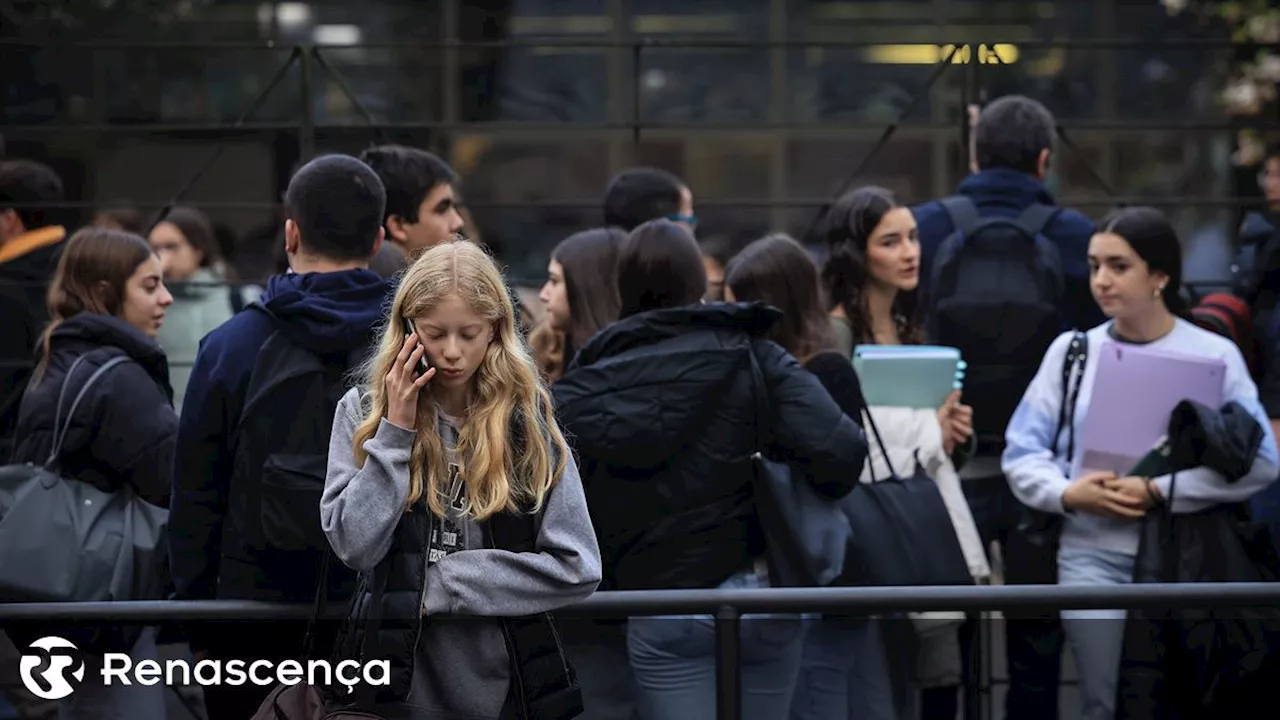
728, 664
307, 130
635, 100
217, 152
346, 90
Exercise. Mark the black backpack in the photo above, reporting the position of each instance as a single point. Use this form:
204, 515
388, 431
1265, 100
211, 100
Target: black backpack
996, 293
282, 443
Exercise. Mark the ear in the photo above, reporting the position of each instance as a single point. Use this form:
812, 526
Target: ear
292, 238
377, 244
105, 298
395, 227
10, 224
1042, 164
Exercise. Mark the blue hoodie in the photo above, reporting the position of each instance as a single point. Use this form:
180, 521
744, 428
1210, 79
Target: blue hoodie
1001, 192
328, 312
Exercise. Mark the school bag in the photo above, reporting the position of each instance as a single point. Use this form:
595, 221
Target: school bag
282, 442
997, 292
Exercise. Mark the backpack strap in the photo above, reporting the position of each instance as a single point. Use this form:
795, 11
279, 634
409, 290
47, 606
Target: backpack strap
1037, 217
963, 213
61, 425
1072, 367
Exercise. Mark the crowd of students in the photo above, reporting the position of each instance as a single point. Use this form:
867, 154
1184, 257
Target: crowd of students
417, 443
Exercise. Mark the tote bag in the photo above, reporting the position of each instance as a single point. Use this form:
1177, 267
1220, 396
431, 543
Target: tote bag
902, 532
806, 534
63, 540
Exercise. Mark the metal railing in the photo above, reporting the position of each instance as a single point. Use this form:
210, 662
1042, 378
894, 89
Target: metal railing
728, 607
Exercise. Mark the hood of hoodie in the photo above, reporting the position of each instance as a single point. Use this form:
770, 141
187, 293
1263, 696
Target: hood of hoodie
1002, 186
654, 326
335, 312
647, 388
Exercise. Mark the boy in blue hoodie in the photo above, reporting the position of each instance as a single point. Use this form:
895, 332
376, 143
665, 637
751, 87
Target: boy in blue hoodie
222, 542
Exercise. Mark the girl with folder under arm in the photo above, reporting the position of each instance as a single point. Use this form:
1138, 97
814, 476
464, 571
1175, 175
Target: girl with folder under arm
1135, 263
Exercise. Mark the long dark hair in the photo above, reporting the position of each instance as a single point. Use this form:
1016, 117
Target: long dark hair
92, 273
778, 271
849, 225
589, 260
659, 266
1153, 239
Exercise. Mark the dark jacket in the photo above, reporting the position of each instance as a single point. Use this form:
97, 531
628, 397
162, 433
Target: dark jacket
331, 313
660, 408
124, 430
1001, 192
24, 285
1203, 662
387, 625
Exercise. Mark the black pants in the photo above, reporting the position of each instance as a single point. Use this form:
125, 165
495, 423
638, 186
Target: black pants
1033, 643
275, 641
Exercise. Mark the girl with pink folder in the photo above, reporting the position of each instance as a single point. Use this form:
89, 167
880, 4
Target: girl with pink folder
1136, 271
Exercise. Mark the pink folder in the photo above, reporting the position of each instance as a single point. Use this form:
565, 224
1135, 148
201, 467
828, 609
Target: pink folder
1134, 392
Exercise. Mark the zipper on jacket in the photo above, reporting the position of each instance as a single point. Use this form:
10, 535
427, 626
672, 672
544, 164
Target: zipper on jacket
516, 677
510, 642
564, 661
426, 563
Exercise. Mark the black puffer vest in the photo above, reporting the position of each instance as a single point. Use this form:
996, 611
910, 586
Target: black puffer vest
386, 620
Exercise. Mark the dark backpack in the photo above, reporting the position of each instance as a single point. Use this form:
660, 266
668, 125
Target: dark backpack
282, 442
996, 293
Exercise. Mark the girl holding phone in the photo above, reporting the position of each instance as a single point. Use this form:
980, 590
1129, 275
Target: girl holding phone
450, 488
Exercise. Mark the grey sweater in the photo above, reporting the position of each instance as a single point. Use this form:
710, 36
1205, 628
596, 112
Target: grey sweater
461, 670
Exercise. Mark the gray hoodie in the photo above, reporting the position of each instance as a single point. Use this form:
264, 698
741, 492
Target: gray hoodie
461, 670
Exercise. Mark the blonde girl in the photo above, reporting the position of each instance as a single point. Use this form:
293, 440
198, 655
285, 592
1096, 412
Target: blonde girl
450, 488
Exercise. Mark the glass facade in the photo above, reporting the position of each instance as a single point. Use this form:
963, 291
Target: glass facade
764, 106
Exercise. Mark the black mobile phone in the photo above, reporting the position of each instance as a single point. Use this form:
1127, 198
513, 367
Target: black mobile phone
423, 364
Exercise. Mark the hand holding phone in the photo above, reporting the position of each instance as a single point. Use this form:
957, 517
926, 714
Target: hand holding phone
407, 376
423, 363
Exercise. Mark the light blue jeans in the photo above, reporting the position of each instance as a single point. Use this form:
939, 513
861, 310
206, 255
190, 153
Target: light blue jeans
675, 667
844, 674
1096, 637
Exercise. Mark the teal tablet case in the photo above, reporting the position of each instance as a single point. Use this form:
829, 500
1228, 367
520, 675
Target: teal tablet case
912, 376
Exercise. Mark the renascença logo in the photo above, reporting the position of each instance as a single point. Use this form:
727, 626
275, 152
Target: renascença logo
44, 668
44, 671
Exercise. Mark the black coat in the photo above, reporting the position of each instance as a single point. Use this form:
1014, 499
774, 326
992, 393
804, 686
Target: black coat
24, 283
123, 433
661, 410
1203, 662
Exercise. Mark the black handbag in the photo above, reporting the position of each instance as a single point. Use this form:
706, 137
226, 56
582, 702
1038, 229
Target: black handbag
806, 535
902, 532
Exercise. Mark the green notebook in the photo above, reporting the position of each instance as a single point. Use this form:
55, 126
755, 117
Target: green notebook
1156, 462
912, 376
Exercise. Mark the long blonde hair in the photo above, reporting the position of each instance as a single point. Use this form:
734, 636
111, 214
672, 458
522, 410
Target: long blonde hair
499, 472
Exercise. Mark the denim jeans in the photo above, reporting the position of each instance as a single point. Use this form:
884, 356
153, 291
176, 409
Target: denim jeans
844, 674
673, 659
1033, 645
1096, 636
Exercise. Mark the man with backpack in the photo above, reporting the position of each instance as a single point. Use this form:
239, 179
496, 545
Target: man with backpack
1004, 272
253, 440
